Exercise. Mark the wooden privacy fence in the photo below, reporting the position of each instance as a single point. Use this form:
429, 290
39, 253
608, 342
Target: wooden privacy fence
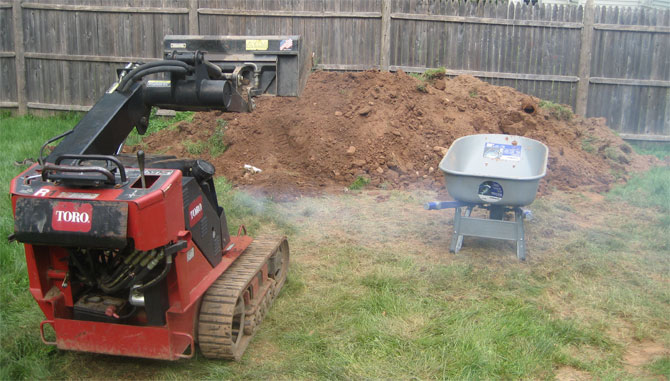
609, 62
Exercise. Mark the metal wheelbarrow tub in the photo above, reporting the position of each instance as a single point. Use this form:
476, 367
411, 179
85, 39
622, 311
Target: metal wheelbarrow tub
494, 169
499, 173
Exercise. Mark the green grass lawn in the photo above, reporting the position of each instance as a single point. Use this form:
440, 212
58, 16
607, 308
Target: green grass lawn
23, 355
374, 293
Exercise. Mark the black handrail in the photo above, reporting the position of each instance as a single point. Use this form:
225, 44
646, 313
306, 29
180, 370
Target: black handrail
107, 158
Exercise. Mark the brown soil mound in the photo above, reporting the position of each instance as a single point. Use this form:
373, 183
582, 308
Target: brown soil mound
393, 130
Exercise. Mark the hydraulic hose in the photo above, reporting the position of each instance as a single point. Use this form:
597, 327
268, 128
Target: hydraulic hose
119, 267
163, 274
133, 72
139, 265
153, 70
147, 264
214, 71
64, 134
117, 285
125, 278
117, 259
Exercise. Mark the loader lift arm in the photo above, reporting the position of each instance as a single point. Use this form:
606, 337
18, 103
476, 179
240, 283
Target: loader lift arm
127, 104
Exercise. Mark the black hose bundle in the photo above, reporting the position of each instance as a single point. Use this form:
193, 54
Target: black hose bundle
163, 66
134, 269
160, 277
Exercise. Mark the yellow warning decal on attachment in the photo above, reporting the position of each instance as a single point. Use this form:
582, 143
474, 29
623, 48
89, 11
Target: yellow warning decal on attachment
257, 44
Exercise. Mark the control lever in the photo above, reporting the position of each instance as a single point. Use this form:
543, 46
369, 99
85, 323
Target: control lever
140, 163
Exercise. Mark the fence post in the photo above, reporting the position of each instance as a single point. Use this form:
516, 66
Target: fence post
385, 52
19, 58
193, 23
585, 58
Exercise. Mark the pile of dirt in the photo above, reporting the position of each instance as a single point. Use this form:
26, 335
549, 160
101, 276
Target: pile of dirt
392, 129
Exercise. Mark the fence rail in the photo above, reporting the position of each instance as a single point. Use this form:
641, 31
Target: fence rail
602, 61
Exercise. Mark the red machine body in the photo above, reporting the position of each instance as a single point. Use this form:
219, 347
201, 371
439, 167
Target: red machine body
155, 218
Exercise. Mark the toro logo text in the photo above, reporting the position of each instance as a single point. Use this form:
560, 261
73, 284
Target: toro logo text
72, 217
195, 211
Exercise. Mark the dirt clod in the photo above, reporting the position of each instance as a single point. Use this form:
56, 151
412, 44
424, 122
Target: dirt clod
364, 111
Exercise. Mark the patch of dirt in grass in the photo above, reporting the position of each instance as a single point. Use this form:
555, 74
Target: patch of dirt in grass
642, 353
377, 125
397, 224
621, 330
588, 201
568, 373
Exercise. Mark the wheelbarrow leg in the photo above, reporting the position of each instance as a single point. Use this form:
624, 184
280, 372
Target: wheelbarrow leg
457, 238
520, 235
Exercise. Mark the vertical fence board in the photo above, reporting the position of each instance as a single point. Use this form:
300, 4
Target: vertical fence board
631, 109
7, 67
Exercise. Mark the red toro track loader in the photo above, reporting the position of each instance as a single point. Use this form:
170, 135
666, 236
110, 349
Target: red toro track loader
130, 255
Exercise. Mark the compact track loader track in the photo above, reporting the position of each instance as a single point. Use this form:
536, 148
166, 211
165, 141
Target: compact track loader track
237, 301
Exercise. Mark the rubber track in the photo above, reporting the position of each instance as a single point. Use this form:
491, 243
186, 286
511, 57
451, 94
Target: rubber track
215, 320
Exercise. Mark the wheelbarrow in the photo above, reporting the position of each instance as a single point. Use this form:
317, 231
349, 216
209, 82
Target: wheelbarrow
499, 173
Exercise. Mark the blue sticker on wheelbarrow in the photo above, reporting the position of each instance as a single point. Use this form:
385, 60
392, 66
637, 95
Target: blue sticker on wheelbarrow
490, 191
502, 151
